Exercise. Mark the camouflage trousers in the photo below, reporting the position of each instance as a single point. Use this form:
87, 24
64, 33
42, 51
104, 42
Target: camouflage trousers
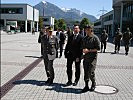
127, 46
89, 69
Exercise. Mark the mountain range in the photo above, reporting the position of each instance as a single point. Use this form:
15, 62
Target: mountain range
48, 9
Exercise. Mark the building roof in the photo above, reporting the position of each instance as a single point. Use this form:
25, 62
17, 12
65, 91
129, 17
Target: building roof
16, 4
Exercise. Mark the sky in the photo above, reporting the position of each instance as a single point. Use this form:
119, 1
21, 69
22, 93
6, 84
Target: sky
91, 7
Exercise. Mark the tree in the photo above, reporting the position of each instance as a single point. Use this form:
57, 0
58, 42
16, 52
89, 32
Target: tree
84, 22
40, 22
77, 23
62, 24
56, 24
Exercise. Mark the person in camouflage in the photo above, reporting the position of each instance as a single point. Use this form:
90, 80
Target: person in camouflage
127, 36
104, 38
117, 40
90, 46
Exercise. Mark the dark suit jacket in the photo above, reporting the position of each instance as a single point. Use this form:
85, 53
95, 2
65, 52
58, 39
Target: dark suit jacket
62, 37
73, 47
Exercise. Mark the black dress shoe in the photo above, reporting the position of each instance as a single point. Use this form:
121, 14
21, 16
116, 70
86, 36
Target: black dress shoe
50, 82
47, 81
75, 83
93, 86
126, 53
69, 83
85, 89
92, 89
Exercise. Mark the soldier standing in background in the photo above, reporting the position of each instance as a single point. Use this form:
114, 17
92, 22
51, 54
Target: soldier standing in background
40, 38
91, 45
117, 40
104, 38
62, 38
127, 36
58, 35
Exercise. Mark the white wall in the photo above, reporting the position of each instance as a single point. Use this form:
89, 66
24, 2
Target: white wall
53, 21
29, 12
36, 15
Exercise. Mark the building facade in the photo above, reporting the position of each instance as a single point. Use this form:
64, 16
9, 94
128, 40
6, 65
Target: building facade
21, 16
48, 21
120, 17
105, 22
123, 14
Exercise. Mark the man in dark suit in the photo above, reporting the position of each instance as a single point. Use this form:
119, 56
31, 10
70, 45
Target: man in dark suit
62, 42
42, 33
73, 53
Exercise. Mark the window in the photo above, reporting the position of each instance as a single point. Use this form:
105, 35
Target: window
11, 10
97, 23
108, 18
46, 19
128, 11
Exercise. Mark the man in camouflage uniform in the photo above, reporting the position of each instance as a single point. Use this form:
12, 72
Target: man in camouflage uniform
127, 36
117, 40
91, 45
104, 38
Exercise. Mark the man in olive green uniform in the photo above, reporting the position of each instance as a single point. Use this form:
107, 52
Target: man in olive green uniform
104, 38
117, 40
91, 45
127, 36
50, 46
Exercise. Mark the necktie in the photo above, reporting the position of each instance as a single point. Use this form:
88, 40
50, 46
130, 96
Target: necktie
75, 37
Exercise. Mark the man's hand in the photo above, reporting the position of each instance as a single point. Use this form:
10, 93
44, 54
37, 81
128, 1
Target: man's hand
85, 51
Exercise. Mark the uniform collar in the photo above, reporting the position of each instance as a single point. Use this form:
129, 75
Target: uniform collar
91, 35
76, 34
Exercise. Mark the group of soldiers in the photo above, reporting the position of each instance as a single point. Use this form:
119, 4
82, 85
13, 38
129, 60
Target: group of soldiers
118, 37
77, 48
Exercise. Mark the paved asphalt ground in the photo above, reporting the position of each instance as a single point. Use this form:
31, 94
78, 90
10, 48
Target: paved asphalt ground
22, 73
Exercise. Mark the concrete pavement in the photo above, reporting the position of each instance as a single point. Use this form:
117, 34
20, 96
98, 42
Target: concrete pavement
24, 72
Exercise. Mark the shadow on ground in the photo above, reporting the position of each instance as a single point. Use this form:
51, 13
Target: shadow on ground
113, 53
58, 87
32, 56
32, 82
